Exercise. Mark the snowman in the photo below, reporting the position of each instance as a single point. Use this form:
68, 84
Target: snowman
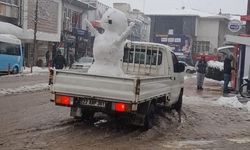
108, 46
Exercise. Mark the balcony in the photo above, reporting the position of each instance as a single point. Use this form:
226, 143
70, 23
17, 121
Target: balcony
88, 4
8, 10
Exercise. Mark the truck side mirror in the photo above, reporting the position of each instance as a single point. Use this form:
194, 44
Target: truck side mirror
181, 67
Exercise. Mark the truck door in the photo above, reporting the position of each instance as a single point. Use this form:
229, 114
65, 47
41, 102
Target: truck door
177, 80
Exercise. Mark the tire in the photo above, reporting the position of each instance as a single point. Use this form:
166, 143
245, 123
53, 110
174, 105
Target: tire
15, 70
188, 71
178, 105
244, 92
150, 117
87, 115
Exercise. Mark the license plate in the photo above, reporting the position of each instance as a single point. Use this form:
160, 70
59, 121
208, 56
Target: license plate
91, 102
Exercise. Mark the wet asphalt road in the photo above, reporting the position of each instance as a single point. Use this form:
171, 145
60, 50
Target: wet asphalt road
30, 121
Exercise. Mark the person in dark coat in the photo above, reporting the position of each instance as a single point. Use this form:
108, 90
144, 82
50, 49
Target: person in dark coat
59, 62
201, 67
47, 55
227, 73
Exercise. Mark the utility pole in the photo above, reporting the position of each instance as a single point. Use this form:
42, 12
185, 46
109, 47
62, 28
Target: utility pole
248, 22
34, 55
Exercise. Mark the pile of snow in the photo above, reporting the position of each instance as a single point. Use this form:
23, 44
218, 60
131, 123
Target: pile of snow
25, 89
216, 64
248, 105
232, 102
35, 69
189, 77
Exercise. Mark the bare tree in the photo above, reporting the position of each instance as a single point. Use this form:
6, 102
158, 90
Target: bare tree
34, 54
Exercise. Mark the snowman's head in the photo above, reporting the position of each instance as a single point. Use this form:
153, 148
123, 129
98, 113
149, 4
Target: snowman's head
114, 20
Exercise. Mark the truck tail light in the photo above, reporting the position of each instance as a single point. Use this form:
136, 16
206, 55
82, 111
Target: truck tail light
121, 107
63, 100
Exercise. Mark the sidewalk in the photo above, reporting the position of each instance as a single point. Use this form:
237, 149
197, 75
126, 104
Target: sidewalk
212, 90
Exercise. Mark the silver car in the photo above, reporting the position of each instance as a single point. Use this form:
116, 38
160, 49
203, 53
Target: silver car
83, 64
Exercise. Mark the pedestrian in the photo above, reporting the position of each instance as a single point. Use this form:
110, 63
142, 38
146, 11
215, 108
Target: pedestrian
59, 62
201, 67
47, 55
227, 74
71, 58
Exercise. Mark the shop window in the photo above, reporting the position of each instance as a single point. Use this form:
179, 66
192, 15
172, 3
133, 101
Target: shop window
201, 46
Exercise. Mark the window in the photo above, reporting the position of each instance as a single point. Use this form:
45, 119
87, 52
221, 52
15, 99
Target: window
67, 19
201, 46
76, 20
151, 56
15, 2
9, 49
175, 62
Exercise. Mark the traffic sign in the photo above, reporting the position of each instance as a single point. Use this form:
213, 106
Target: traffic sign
234, 25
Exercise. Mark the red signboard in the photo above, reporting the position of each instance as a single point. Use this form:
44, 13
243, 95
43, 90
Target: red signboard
245, 18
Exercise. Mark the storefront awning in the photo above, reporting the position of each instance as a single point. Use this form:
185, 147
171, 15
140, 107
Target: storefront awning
8, 28
88, 4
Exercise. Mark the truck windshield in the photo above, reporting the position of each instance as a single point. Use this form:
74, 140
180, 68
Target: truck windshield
140, 54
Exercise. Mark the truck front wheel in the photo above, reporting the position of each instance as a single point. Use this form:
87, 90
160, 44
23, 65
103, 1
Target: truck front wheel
178, 105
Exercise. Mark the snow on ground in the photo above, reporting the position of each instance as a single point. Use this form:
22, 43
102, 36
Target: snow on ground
24, 89
248, 105
186, 77
232, 102
35, 70
216, 64
26, 72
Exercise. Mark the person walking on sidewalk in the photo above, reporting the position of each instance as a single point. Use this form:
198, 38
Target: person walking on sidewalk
227, 74
59, 62
201, 67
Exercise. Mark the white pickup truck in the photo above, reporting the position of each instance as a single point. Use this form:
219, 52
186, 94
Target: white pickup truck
154, 80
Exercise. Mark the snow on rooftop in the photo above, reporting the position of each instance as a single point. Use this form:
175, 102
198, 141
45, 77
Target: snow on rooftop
185, 12
8, 28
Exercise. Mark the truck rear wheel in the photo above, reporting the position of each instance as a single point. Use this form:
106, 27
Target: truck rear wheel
87, 115
150, 117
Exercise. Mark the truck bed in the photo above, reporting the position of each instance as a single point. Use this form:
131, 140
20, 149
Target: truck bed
128, 90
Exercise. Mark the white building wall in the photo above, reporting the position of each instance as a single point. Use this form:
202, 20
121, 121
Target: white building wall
208, 30
28, 34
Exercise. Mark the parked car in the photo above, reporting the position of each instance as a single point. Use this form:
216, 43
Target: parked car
83, 64
188, 68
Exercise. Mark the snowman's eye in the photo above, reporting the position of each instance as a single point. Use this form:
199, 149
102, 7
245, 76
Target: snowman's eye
110, 21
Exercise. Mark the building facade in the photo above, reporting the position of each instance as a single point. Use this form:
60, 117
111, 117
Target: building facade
75, 39
17, 18
10, 11
188, 31
141, 31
